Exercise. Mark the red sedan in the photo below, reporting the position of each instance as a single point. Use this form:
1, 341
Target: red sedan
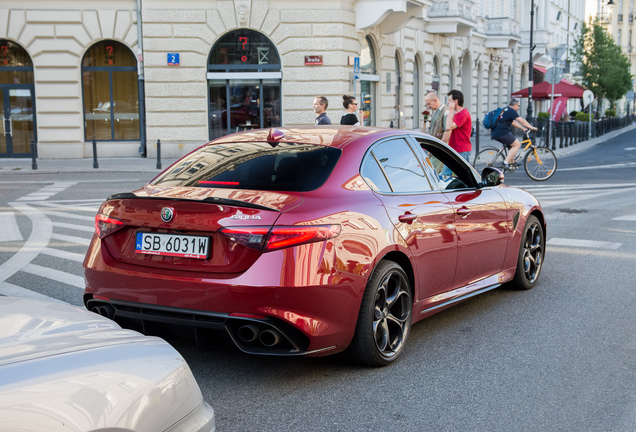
311, 241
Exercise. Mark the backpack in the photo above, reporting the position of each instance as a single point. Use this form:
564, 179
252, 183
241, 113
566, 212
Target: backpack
490, 119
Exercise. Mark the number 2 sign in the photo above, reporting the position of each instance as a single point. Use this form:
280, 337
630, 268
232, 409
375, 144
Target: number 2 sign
173, 59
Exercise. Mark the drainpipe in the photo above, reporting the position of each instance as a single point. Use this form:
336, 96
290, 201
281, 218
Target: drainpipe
140, 84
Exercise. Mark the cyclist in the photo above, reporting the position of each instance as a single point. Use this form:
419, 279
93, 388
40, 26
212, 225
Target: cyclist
502, 131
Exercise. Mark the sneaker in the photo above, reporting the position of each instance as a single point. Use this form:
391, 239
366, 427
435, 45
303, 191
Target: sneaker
505, 165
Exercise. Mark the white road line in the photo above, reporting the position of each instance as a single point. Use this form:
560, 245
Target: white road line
11, 290
89, 229
69, 215
583, 197
626, 218
10, 230
63, 254
71, 239
55, 275
576, 186
86, 208
623, 165
47, 192
37, 241
583, 243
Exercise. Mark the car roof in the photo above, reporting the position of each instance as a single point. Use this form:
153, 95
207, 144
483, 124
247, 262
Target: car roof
332, 136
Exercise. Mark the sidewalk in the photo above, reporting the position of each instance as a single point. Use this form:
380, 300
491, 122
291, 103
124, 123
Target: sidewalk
15, 166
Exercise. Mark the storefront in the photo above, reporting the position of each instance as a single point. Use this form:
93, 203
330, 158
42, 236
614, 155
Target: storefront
17, 100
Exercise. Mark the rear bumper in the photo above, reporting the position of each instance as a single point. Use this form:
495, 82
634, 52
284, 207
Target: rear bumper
295, 312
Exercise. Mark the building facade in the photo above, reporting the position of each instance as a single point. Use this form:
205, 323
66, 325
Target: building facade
73, 71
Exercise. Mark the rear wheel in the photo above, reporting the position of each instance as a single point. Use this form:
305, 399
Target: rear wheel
487, 157
540, 163
384, 321
531, 254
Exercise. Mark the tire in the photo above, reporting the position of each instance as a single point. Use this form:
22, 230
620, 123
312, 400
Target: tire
531, 253
384, 321
543, 166
487, 157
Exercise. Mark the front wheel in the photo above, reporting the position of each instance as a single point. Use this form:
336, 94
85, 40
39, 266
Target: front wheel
540, 163
486, 158
384, 321
531, 253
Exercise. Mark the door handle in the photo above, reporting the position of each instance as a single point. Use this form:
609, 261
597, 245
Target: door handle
463, 212
4, 127
10, 133
407, 217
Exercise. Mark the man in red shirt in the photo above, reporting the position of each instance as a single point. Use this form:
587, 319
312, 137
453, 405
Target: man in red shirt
459, 124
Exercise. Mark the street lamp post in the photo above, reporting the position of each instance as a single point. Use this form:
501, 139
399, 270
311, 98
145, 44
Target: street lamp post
530, 65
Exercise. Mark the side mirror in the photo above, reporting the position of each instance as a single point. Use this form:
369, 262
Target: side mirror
491, 177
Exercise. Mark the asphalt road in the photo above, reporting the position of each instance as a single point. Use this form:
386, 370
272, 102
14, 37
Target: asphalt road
561, 357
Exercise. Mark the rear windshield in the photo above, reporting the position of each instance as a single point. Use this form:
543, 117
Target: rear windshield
286, 167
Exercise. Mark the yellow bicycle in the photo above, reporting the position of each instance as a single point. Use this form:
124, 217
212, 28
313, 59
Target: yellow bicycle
539, 162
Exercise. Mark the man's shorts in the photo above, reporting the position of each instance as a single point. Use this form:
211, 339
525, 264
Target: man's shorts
506, 139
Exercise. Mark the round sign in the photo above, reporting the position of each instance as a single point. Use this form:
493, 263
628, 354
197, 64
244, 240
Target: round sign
588, 97
554, 75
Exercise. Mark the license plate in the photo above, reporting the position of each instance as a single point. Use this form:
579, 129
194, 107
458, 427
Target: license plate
174, 245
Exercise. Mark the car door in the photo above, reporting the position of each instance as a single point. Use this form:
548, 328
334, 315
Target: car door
421, 214
480, 218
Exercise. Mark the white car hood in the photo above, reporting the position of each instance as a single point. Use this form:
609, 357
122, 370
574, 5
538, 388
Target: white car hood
64, 368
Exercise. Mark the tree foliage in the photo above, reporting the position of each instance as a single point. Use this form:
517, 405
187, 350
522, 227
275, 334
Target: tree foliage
604, 67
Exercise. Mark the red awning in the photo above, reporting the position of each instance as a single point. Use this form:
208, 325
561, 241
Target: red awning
543, 90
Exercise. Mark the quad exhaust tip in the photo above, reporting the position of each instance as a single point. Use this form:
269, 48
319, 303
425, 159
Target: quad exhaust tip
251, 333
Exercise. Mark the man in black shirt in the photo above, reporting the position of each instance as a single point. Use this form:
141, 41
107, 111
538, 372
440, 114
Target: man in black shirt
502, 131
320, 108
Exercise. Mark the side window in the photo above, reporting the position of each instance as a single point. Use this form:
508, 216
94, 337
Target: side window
391, 166
452, 172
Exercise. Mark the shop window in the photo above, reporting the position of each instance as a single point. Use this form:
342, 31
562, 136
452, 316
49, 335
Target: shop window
111, 101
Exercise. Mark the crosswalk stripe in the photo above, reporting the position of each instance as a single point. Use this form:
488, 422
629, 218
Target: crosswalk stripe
71, 256
10, 230
626, 218
68, 215
583, 243
56, 275
89, 229
11, 290
71, 239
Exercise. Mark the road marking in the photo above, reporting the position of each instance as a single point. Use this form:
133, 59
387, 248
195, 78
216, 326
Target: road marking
37, 241
10, 230
71, 256
595, 167
55, 275
90, 207
71, 239
69, 215
566, 196
583, 243
593, 252
47, 192
89, 229
626, 218
11, 290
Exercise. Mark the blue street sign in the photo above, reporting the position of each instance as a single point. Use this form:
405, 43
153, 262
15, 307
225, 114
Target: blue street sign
356, 68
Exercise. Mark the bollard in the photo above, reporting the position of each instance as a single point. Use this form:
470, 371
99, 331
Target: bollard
477, 137
158, 154
95, 163
34, 162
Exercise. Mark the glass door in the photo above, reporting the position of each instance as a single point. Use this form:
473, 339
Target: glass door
245, 106
16, 106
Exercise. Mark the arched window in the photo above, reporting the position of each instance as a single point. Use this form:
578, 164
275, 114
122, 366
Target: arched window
368, 81
435, 77
16, 100
244, 75
111, 101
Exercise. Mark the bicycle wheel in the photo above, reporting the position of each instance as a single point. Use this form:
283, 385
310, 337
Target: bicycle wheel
487, 157
540, 163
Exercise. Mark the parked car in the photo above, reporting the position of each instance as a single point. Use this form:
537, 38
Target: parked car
311, 241
63, 368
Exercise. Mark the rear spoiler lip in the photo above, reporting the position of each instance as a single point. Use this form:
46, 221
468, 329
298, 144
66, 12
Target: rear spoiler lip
211, 200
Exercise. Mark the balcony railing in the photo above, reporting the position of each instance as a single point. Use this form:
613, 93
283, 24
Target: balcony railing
452, 8
502, 27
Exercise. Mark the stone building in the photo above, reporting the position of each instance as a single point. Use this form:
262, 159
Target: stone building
74, 71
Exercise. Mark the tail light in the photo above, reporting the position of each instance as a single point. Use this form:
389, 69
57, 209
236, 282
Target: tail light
106, 225
265, 239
